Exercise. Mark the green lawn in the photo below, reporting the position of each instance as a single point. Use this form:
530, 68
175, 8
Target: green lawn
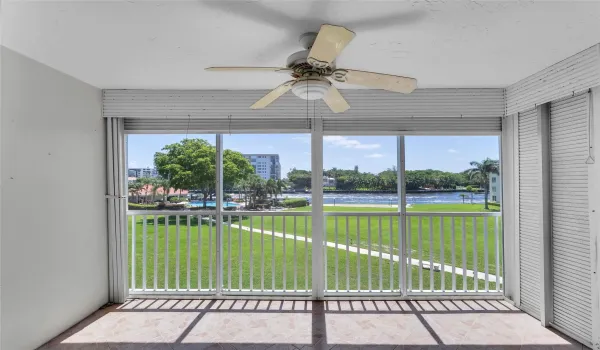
284, 259
358, 231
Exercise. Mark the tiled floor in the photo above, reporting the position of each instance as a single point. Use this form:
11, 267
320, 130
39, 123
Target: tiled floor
252, 324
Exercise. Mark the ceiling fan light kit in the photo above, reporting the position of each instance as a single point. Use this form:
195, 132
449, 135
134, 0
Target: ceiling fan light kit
313, 67
311, 87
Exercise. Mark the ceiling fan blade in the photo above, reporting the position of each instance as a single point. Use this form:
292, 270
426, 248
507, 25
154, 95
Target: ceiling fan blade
388, 82
249, 69
335, 100
273, 95
330, 41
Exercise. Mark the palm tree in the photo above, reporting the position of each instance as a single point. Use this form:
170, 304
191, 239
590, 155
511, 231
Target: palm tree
279, 186
271, 187
481, 171
134, 189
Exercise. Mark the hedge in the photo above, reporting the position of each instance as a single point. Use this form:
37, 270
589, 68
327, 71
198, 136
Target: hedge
135, 206
295, 202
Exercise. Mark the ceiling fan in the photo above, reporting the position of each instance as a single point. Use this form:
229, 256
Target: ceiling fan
312, 67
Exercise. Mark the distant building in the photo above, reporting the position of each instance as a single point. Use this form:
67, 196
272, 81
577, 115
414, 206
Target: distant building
328, 181
265, 165
143, 172
495, 188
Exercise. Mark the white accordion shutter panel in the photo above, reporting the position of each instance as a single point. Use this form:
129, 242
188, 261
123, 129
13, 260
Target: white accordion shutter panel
530, 208
219, 104
430, 125
217, 125
571, 260
576, 73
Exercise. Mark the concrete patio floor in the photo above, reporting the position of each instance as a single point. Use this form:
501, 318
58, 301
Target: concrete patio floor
253, 324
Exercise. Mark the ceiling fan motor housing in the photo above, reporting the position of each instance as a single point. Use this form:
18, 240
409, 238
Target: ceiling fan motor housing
298, 61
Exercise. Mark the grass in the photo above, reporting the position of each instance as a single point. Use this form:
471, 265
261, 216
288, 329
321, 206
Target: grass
356, 232
278, 259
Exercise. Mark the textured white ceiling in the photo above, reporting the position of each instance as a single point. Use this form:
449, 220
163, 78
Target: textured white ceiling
141, 44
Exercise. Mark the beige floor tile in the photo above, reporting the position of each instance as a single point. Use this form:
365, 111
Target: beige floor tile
260, 325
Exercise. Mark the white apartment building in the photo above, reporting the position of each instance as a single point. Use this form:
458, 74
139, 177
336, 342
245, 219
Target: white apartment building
143, 172
495, 188
266, 166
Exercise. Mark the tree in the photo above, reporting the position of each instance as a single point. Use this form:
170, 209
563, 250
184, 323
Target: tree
279, 186
190, 164
135, 188
271, 187
300, 179
480, 172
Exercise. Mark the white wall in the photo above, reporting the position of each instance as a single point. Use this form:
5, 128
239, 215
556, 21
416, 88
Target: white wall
54, 243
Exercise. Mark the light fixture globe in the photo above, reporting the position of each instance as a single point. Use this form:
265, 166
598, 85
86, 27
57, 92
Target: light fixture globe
311, 88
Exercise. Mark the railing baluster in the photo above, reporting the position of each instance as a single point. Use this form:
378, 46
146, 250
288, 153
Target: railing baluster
401, 273
133, 257
464, 253
284, 256
391, 243
347, 254
409, 253
453, 242
189, 247
306, 253
177, 252
420, 254
229, 252
166, 252
497, 246
295, 258
240, 260
369, 239
431, 249
326, 263
272, 253
358, 252
251, 258
369, 253
199, 252
475, 274
443, 265
485, 253
262, 253
380, 258
144, 254
335, 224
210, 254
155, 252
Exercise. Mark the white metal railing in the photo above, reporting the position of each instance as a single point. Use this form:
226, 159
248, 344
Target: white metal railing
365, 253
270, 253
187, 238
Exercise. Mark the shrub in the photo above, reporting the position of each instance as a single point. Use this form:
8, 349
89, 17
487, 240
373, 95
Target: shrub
469, 188
295, 202
177, 199
135, 206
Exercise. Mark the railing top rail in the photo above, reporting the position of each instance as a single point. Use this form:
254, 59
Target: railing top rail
413, 213
458, 214
171, 212
267, 213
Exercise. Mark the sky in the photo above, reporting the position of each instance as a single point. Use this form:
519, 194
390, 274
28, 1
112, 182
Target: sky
371, 153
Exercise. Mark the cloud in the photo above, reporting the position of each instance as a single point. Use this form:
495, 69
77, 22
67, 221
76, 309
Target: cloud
270, 147
133, 164
374, 155
452, 150
342, 141
307, 153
